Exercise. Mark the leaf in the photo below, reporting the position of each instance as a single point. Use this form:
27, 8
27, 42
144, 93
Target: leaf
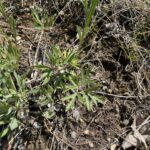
84, 99
2, 123
81, 99
73, 80
46, 80
13, 85
70, 56
11, 49
42, 67
90, 12
72, 96
87, 101
74, 63
14, 123
56, 51
70, 87
49, 56
95, 99
80, 34
141, 138
3, 108
129, 141
10, 110
70, 105
12, 24
2, 9
91, 88
48, 115
18, 79
36, 18
4, 132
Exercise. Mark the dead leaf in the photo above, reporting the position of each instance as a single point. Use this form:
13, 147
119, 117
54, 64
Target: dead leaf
141, 138
113, 147
90, 133
129, 142
135, 138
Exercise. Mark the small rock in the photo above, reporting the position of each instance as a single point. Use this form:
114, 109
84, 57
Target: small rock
36, 125
113, 147
73, 134
110, 91
76, 115
104, 88
91, 144
18, 38
108, 139
61, 13
126, 122
87, 132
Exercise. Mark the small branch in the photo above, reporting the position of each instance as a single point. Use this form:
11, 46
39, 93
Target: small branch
58, 138
38, 47
122, 96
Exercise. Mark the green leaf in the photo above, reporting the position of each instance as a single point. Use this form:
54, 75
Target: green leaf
14, 123
69, 57
42, 67
2, 123
56, 51
2, 9
4, 132
3, 108
70, 105
81, 99
70, 87
92, 88
44, 75
73, 81
46, 80
80, 34
48, 115
72, 96
12, 24
87, 102
12, 52
18, 79
91, 11
96, 98
36, 18
10, 110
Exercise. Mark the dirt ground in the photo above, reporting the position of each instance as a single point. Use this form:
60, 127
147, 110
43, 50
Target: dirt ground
125, 112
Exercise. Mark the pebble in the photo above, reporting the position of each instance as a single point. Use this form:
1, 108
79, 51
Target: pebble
73, 134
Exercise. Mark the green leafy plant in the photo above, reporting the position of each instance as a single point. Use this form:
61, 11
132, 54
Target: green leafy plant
12, 98
68, 83
61, 77
10, 20
89, 12
42, 22
12, 89
8, 55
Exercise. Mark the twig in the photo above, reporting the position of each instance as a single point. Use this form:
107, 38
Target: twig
146, 121
10, 142
58, 138
38, 47
98, 113
122, 96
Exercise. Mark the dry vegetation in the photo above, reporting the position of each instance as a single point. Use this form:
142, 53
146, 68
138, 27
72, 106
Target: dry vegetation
75, 74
